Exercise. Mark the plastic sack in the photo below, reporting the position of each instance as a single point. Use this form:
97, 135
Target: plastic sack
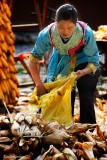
56, 104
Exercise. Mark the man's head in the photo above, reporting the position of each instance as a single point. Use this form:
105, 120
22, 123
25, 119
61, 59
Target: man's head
66, 12
66, 18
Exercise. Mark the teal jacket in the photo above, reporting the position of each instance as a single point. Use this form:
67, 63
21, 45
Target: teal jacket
58, 63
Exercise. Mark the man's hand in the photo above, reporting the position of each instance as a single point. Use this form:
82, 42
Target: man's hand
83, 72
79, 73
41, 90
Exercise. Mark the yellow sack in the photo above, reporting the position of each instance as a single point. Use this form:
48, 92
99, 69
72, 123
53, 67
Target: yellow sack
56, 104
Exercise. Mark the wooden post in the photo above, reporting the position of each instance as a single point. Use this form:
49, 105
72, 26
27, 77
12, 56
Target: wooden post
44, 12
37, 10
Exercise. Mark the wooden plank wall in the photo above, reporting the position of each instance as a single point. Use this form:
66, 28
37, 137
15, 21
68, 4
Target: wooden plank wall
93, 12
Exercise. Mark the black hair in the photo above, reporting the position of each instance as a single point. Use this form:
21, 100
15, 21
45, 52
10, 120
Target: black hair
66, 12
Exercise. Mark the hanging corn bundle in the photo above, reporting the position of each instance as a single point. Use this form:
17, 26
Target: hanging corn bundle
8, 80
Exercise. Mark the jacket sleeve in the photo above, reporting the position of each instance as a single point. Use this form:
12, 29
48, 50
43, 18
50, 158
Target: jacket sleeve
41, 46
91, 49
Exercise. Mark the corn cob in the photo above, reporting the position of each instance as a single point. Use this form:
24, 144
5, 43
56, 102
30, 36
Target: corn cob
8, 81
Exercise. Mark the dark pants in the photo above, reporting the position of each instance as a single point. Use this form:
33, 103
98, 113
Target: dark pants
86, 87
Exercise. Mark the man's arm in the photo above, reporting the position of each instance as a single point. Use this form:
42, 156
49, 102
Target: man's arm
87, 70
91, 51
36, 76
41, 46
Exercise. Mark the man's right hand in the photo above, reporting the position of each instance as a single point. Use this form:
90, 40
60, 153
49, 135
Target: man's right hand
41, 90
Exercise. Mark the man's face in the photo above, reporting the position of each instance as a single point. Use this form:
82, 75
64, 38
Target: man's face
65, 28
